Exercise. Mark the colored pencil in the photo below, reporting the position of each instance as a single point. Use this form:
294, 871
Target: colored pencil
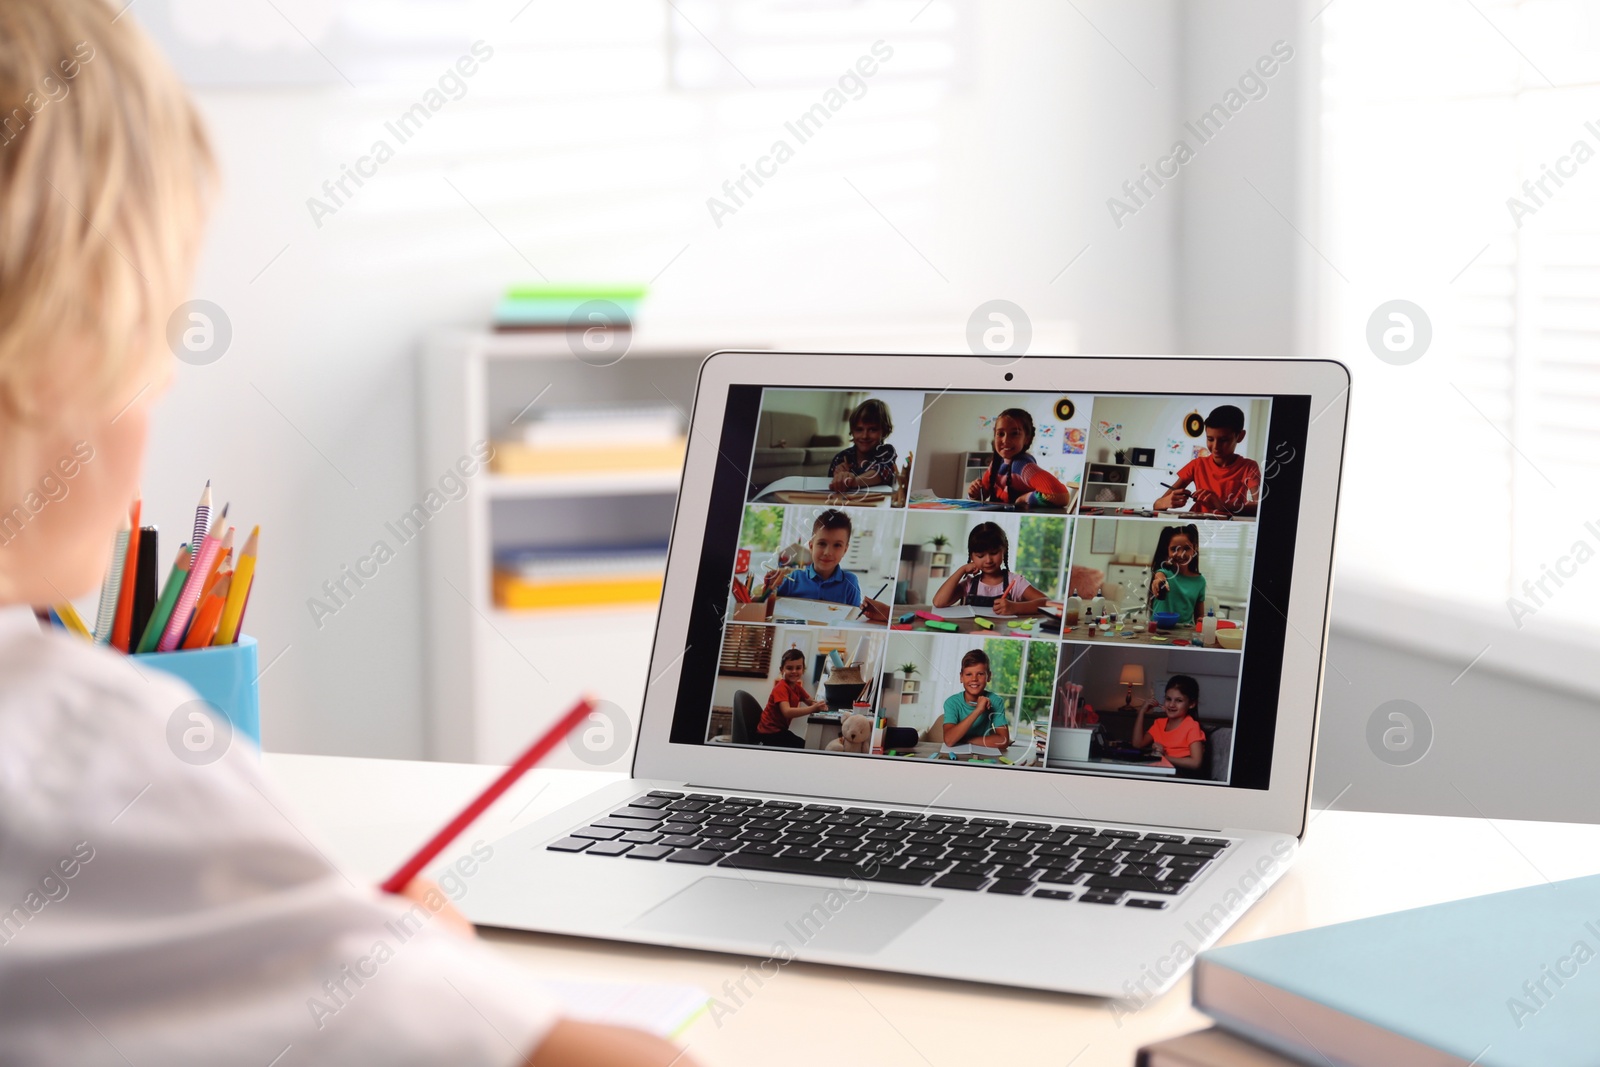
223, 561
106, 617
183, 610
146, 582
244, 573
169, 598
208, 615
130, 570
202, 517
71, 619
244, 609
527, 761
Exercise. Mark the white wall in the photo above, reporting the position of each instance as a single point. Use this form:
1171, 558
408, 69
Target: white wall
1238, 281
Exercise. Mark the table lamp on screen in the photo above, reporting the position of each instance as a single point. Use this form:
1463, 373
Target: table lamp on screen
1132, 675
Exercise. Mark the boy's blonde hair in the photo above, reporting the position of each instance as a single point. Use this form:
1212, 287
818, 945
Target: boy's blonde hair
105, 171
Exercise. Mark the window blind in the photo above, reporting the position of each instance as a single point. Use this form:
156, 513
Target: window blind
1460, 162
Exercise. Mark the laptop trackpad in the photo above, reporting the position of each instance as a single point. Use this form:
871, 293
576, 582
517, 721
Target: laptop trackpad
774, 914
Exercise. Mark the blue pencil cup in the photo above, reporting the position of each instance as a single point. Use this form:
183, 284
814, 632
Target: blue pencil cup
224, 676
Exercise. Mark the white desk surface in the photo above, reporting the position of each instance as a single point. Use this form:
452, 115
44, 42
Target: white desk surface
369, 814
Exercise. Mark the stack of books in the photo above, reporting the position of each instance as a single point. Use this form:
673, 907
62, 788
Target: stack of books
608, 439
580, 576
566, 307
1503, 980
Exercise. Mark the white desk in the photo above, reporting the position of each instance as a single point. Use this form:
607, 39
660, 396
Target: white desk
371, 813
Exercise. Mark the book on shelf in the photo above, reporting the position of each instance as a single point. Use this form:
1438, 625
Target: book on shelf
513, 593
611, 438
581, 576
514, 458
603, 426
565, 307
569, 561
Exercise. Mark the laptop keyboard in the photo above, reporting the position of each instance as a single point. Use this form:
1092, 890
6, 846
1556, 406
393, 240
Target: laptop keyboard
1055, 861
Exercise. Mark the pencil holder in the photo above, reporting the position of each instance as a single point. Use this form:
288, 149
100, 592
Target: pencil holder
224, 676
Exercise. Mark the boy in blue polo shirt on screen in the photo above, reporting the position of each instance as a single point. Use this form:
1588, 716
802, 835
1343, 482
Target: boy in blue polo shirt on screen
824, 578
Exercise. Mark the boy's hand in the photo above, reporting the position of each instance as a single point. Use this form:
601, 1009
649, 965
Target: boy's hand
841, 478
419, 891
982, 705
1207, 498
1178, 498
874, 610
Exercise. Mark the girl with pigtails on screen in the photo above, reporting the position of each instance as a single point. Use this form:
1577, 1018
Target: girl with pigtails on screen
1014, 477
1176, 584
986, 579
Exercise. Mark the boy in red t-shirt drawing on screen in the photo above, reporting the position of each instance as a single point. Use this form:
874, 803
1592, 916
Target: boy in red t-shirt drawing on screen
1224, 483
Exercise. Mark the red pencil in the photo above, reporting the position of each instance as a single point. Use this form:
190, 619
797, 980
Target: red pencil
526, 762
120, 636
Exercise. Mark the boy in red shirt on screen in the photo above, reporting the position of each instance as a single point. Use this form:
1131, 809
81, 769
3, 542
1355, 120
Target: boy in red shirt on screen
1224, 483
789, 701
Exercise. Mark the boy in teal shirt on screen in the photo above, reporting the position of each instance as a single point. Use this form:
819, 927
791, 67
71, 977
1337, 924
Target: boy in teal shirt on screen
973, 716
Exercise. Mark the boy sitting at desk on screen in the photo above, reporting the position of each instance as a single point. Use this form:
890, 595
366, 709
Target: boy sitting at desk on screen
973, 716
824, 578
789, 701
1225, 483
870, 460
174, 913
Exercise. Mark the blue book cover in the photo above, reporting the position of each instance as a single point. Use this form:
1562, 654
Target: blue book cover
1505, 980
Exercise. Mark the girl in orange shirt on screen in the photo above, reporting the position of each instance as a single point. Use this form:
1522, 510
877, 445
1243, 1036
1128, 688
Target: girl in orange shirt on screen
1176, 734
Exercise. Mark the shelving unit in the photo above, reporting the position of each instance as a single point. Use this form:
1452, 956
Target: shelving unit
1106, 477
496, 675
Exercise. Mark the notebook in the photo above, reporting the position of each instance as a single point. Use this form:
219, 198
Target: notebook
1507, 979
663, 1010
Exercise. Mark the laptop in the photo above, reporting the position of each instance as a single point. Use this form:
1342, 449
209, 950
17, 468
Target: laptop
1007, 674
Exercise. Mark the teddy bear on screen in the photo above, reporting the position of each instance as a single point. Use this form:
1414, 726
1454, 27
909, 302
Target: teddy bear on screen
855, 734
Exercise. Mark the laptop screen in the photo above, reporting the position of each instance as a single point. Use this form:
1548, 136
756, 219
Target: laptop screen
1033, 582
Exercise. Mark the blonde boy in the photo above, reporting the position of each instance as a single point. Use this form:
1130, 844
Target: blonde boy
151, 911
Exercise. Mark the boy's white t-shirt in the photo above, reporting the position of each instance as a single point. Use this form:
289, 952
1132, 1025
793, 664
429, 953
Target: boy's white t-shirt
157, 912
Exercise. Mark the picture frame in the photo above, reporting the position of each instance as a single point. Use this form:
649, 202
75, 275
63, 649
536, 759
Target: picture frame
1103, 537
